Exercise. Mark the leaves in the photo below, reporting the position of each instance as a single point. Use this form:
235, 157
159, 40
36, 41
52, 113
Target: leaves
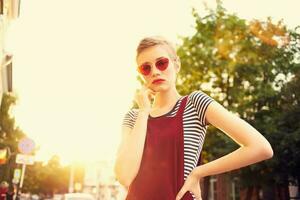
248, 67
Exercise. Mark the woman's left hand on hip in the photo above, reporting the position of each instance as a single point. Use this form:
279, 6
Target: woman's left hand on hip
192, 184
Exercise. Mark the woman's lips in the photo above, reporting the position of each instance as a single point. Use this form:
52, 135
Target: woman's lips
158, 81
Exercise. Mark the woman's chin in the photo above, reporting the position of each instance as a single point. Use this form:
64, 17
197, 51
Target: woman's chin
159, 88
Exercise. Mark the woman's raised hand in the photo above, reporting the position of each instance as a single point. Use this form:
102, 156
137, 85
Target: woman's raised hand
143, 98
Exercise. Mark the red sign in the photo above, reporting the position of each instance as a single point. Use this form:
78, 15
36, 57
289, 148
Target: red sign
3, 156
26, 145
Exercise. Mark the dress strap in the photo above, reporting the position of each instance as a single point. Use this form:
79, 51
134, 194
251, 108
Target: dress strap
182, 106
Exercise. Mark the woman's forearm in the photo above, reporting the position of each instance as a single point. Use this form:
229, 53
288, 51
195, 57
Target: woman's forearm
239, 158
254, 147
130, 153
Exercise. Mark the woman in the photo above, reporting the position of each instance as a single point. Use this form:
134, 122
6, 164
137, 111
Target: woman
161, 141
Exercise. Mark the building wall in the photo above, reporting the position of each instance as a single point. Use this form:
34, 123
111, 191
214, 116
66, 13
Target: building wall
9, 10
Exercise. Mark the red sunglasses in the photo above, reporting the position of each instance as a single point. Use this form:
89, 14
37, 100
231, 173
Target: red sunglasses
161, 64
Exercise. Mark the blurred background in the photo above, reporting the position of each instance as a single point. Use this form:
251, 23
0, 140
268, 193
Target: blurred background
68, 76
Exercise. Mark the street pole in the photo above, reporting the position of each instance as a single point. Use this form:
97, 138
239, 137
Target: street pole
71, 183
22, 176
19, 189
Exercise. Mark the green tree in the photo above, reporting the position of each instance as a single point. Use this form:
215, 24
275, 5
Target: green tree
39, 178
47, 179
10, 134
286, 136
244, 65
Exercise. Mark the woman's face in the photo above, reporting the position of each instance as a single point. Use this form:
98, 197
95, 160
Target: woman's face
156, 58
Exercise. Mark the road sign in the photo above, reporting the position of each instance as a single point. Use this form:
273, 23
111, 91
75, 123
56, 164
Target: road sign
17, 176
26, 145
17, 173
25, 159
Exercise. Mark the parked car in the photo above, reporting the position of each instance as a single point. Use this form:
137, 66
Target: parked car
78, 196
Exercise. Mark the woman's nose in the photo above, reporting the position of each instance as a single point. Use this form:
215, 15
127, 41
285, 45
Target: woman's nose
155, 71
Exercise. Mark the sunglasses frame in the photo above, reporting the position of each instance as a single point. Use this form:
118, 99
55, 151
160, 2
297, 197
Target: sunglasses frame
140, 70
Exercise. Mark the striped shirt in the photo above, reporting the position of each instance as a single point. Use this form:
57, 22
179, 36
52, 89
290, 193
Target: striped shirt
194, 126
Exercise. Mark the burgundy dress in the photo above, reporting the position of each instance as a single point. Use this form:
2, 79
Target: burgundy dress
161, 173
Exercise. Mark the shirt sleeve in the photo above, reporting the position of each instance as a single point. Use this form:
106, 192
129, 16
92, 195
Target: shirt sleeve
200, 101
130, 118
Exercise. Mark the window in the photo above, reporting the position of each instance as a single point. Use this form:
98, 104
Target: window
212, 194
235, 189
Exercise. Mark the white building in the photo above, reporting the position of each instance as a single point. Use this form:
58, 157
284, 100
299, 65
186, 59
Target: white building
9, 10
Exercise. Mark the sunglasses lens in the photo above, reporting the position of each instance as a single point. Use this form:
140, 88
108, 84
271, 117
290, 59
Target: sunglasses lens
145, 69
162, 64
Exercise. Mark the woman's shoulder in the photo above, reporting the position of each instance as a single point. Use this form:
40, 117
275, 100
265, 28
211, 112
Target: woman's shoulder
200, 101
199, 95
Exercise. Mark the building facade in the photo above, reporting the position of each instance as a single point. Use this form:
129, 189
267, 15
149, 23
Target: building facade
9, 11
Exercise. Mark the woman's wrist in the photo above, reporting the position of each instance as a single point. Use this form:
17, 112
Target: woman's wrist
198, 172
145, 111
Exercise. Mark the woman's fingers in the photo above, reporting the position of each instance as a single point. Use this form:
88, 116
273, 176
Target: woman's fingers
197, 195
192, 185
149, 92
143, 97
181, 193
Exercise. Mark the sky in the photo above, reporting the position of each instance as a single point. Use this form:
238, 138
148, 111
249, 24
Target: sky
74, 64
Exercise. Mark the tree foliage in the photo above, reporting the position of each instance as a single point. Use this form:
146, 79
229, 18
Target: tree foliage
252, 69
47, 178
10, 134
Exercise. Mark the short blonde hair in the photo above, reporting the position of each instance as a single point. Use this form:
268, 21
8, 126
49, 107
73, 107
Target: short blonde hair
152, 41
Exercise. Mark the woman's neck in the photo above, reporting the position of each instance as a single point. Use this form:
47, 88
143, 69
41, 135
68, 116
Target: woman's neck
165, 99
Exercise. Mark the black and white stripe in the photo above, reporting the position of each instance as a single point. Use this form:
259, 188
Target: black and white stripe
194, 126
